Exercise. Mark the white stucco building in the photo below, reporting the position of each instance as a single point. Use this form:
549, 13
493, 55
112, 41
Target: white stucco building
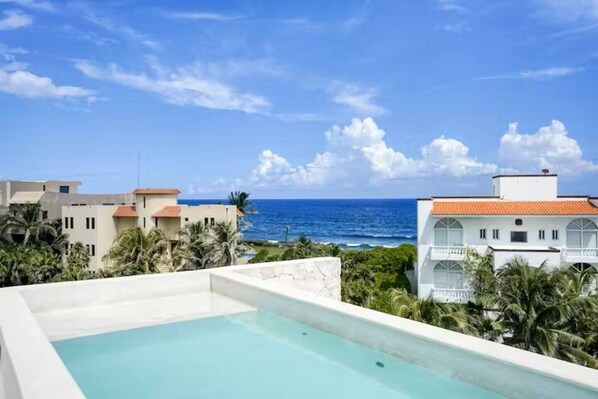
97, 226
525, 216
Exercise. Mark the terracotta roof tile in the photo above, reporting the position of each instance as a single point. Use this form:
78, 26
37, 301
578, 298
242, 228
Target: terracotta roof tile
125, 211
168, 212
154, 191
514, 208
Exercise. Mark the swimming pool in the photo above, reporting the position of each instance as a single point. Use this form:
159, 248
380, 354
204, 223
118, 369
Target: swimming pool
254, 354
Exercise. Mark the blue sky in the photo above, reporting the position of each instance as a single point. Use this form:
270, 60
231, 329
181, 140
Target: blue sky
303, 99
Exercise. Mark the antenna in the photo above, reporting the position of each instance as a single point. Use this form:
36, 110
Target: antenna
138, 168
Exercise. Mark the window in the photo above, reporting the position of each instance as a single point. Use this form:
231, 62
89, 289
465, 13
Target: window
582, 233
144, 223
186, 219
88, 249
63, 189
66, 223
72, 224
93, 223
205, 221
212, 221
44, 187
542, 234
518, 222
87, 223
518, 236
495, 234
555, 234
448, 274
482, 234
143, 202
156, 222
44, 214
93, 250
447, 232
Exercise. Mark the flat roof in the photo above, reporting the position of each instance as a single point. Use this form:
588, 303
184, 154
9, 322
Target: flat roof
157, 191
515, 208
528, 175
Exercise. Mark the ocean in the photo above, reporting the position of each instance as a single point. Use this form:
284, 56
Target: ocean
351, 223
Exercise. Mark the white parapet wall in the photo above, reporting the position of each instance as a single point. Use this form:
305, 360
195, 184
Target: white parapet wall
305, 290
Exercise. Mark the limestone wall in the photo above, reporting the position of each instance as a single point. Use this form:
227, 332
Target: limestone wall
320, 276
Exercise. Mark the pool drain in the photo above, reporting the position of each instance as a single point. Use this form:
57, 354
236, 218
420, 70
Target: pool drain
303, 333
380, 364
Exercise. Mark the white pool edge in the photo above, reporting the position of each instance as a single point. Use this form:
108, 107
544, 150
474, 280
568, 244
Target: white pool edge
30, 368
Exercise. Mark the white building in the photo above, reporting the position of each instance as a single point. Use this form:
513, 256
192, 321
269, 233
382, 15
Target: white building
524, 217
97, 226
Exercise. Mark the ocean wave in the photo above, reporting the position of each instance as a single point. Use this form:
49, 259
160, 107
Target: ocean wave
273, 241
386, 236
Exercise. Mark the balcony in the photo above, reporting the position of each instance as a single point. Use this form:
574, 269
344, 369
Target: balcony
589, 255
452, 295
454, 252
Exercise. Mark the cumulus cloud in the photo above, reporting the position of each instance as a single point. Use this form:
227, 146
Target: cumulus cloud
359, 99
550, 147
358, 154
181, 86
14, 19
26, 84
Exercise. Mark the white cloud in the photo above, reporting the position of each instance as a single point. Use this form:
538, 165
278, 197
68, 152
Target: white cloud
359, 99
182, 86
569, 10
14, 19
210, 16
358, 155
450, 6
537, 74
34, 5
550, 147
10, 53
26, 84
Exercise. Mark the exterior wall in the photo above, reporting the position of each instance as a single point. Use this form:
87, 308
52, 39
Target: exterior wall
153, 203
53, 202
10, 187
170, 226
535, 250
198, 213
526, 188
319, 276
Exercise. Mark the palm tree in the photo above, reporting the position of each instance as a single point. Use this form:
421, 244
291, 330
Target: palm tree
193, 248
135, 252
77, 264
26, 219
536, 309
444, 315
241, 200
304, 247
225, 245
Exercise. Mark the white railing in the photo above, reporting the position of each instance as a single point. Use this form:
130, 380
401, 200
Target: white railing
458, 250
458, 295
579, 253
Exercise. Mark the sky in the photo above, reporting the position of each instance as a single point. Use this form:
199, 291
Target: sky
310, 99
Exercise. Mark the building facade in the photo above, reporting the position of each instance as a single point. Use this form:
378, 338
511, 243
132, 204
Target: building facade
97, 226
524, 217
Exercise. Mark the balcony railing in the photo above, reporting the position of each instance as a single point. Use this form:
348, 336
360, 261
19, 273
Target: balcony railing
453, 295
455, 252
580, 253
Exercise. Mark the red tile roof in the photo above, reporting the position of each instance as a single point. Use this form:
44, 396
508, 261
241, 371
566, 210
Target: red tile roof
125, 211
514, 208
168, 212
154, 191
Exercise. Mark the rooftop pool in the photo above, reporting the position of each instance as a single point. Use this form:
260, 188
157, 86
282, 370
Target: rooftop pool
254, 354
273, 330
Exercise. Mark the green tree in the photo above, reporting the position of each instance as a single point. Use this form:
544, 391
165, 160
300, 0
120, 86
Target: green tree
26, 220
193, 249
537, 311
225, 243
244, 205
135, 252
77, 264
444, 315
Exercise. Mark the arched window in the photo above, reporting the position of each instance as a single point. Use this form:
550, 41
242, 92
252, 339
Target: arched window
448, 274
447, 232
582, 233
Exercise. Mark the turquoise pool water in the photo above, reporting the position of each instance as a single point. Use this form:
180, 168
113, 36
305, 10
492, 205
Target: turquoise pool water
246, 355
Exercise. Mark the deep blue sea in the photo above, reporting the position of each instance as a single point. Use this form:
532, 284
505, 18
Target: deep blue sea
352, 223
